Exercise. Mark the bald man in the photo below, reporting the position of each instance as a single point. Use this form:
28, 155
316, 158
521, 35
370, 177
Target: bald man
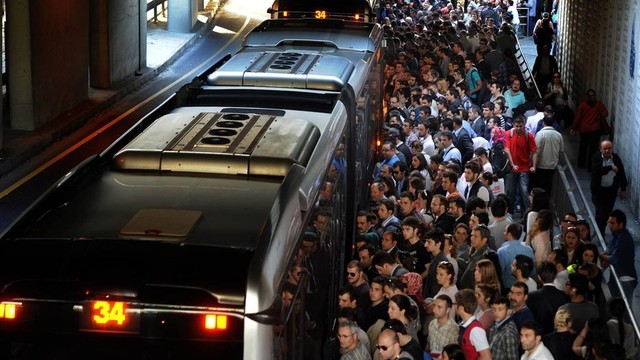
607, 177
389, 346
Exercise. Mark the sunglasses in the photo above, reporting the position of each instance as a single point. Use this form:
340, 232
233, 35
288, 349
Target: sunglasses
351, 274
382, 347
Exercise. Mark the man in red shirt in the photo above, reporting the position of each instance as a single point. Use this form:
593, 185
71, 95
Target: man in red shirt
590, 123
521, 150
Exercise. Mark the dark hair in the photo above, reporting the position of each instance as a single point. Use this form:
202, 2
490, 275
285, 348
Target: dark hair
488, 291
454, 352
499, 208
521, 285
525, 264
395, 325
404, 303
579, 282
547, 272
382, 258
467, 299
483, 217
348, 313
533, 325
502, 300
515, 230
561, 257
445, 298
539, 199
620, 216
618, 310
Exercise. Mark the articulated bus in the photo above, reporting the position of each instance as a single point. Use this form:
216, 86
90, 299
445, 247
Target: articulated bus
179, 240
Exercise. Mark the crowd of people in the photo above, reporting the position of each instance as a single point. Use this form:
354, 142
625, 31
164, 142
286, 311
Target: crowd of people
456, 256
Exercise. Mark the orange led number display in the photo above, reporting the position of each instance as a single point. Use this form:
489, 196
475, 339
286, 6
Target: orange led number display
321, 14
108, 312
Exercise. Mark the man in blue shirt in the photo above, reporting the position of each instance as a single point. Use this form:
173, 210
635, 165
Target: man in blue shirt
508, 252
621, 254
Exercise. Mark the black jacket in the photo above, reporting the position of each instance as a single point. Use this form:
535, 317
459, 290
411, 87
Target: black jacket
598, 171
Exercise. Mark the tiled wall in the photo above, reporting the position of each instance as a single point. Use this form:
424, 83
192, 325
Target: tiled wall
599, 48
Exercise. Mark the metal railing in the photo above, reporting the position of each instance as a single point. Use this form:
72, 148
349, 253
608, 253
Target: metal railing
524, 68
568, 196
152, 5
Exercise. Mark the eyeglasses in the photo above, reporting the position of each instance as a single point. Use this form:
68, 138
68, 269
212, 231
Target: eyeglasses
567, 221
351, 274
382, 347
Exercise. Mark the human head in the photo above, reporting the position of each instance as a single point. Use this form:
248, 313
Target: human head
523, 265
438, 204
617, 220
434, 241
445, 273
562, 320
513, 231
376, 289
606, 148
347, 297
518, 295
547, 272
347, 335
590, 253
485, 294
452, 352
577, 286
355, 273
388, 344
500, 308
442, 306
571, 237
466, 301
400, 307
479, 236
530, 336
386, 209
365, 254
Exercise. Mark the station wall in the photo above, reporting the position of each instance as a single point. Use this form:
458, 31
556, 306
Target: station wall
598, 48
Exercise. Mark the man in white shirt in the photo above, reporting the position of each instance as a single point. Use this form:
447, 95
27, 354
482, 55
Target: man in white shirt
550, 146
531, 340
533, 120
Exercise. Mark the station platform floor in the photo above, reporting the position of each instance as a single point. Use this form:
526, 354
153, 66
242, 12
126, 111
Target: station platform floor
163, 47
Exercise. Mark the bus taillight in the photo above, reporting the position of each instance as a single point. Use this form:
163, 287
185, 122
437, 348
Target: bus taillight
215, 322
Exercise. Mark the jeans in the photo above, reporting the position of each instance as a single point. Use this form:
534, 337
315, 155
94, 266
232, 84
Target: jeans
518, 182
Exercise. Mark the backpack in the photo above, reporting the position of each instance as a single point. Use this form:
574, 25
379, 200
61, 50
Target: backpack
499, 160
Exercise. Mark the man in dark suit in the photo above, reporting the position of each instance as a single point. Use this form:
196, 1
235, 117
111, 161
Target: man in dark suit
443, 220
545, 301
607, 177
462, 140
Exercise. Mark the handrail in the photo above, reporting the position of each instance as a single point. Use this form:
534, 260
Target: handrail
570, 190
153, 5
524, 67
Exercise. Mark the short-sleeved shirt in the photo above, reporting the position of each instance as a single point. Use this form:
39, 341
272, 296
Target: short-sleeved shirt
517, 145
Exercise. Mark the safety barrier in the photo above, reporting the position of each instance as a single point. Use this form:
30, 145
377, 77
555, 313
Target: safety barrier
524, 68
568, 196
153, 5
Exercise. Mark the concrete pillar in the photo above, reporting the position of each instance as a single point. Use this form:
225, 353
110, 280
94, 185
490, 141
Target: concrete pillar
1, 84
47, 59
118, 40
182, 15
